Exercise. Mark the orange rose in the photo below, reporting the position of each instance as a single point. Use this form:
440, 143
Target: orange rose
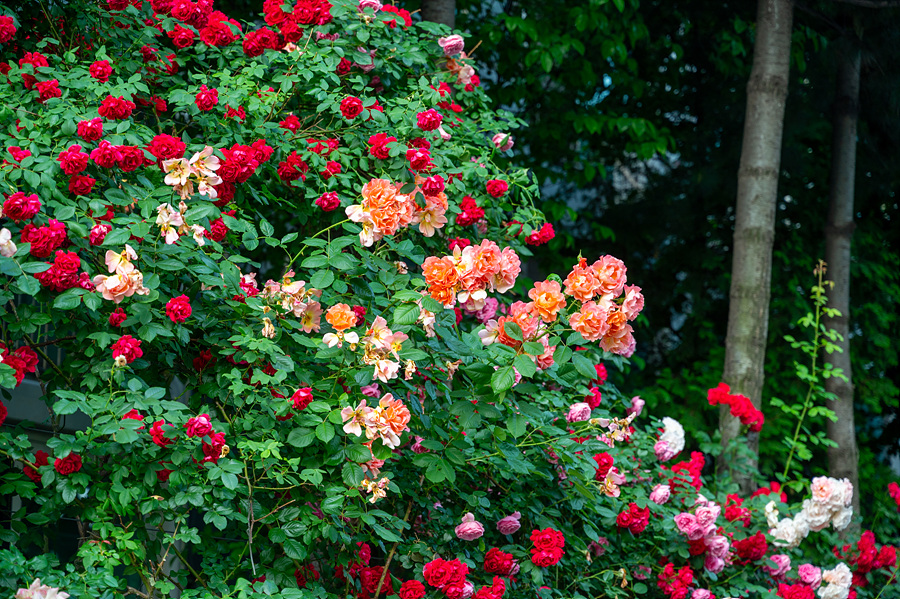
341, 317
440, 272
380, 199
591, 321
581, 282
610, 275
548, 300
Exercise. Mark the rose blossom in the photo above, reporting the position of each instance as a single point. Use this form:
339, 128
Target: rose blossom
199, 426
781, 567
469, 530
503, 141
452, 44
637, 406
68, 465
810, 575
509, 524
578, 412
660, 494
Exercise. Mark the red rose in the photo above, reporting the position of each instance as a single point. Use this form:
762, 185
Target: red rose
623, 520
411, 589
438, 572
41, 458
312, 12
751, 549
351, 107
302, 397
432, 186
400, 12
369, 578
219, 30
178, 309
459, 242
378, 145
73, 160
257, 42
7, 29
604, 463
199, 426
127, 347
130, 158
544, 558
165, 147
419, 142
290, 123
419, 159
44, 240
261, 150
332, 168
181, 37
101, 70
117, 317
106, 154
217, 230
81, 185
203, 360
36, 60
547, 538
116, 108
497, 187
116, 4
301, 574
91, 130
291, 32
796, 591
328, 201
498, 562
48, 89
343, 67
68, 465
20, 207
207, 98
429, 120
18, 153
293, 168
212, 451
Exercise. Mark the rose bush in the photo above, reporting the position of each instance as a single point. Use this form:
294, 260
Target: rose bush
287, 399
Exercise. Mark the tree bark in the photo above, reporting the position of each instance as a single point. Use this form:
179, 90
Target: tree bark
440, 11
754, 230
843, 460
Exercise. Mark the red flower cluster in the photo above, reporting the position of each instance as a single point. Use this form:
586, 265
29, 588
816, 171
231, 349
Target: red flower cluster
751, 549
634, 518
73, 160
22, 360
448, 576
351, 107
293, 168
548, 547
734, 511
219, 30
7, 29
328, 201
36, 60
419, 159
117, 317
206, 98
20, 207
48, 89
101, 70
178, 309
498, 562
242, 161
495, 591
91, 130
181, 37
166, 147
127, 347
867, 557
894, 492
541, 236
258, 41
595, 398
203, 360
429, 120
470, 213
378, 145
106, 155
411, 589
63, 273
116, 109
459, 242
304, 573
400, 12
774, 488
687, 473
741, 406
45, 240
675, 584
796, 591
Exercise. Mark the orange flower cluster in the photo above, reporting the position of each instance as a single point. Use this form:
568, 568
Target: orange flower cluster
384, 210
605, 309
294, 297
467, 275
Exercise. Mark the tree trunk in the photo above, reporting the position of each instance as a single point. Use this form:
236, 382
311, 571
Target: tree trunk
843, 460
754, 229
440, 11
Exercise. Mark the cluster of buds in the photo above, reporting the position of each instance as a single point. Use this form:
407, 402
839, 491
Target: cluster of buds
200, 169
126, 281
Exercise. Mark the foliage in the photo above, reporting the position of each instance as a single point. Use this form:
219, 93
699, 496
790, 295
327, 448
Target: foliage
333, 430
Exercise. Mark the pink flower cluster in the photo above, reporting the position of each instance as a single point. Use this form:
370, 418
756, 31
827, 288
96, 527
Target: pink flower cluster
468, 275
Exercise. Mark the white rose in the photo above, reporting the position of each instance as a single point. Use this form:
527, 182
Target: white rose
818, 514
842, 519
840, 576
785, 534
833, 591
771, 514
673, 434
801, 523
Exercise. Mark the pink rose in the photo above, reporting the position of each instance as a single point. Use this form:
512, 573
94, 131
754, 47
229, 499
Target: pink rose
663, 452
509, 524
417, 445
702, 594
660, 494
503, 141
688, 525
822, 488
782, 564
469, 530
717, 545
810, 575
371, 391
452, 44
637, 406
598, 547
713, 564
578, 412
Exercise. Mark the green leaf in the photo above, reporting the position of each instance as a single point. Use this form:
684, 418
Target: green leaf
301, 437
525, 365
325, 431
516, 425
352, 475
294, 549
406, 314
28, 284
583, 365
321, 279
503, 379
358, 453
513, 331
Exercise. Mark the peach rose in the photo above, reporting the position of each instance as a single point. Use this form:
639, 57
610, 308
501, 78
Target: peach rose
548, 300
581, 282
510, 267
341, 317
590, 321
440, 273
526, 317
634, 302
610, 274
380, 200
